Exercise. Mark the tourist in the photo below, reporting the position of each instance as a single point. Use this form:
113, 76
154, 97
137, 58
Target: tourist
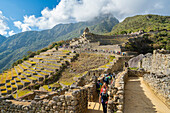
106, 78
104, 87
126, 65
98, 86
104, 97
110, 77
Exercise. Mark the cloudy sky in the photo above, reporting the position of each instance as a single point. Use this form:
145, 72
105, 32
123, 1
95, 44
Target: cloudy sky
25, 15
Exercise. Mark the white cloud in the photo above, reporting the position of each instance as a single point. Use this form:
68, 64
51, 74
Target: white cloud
158, 5
23, 26
3, 25
82, 10
11, 33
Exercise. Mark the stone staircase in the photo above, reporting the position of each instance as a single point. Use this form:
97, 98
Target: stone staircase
34, 70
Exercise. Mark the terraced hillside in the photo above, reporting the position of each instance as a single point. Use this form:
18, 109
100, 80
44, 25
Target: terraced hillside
84, 63
35, 70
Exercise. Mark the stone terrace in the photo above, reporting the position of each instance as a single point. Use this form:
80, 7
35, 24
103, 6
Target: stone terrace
34, 70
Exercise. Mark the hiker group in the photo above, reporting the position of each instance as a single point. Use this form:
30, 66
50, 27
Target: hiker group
102, 89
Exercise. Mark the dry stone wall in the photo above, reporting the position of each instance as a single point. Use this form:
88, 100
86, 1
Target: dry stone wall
73, 101
158, 66
160, 84
159, 62
116, 97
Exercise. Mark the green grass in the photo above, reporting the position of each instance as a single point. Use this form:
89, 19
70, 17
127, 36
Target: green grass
111, 58
25, 80
52, 85
14, 86
133, 68
22, 93
67, 83
46, 88
66, 51
32, 78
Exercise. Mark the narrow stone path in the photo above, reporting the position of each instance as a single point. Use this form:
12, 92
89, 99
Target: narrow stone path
95, 107
139, 98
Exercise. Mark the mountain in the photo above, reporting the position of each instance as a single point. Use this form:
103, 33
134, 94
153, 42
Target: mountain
142, 22
2, 39
14, 47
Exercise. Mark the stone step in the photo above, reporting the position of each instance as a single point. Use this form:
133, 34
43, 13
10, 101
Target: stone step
31, 72
51, 69
17, 80
46, 68
60, 53
50, 65
4, 93
9, 90
48, 57
21, 77
32, 79
9, 77
38, 68
57, 62
26, 74
25, 82
19, 85
45, 75
14, 74
26, 65
23, 67
53, 58
4, 77
35, 59
30, 63
8, 84
39, 77
12, 82
60, 56
3, 88
14, 87
2, 84
47, 72
18, 70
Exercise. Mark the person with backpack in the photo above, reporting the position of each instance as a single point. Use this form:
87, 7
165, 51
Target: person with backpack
98, 86
106, 79
104, 87
104, 97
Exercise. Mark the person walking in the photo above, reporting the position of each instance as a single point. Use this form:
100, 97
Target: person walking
98, 86
104, 87
104, 97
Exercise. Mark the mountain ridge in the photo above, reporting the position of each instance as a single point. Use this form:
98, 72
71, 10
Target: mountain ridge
14, 47
146, 23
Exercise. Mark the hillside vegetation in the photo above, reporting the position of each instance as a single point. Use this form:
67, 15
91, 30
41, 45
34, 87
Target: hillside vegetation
84, 63
142, 22
149, 42
16, 46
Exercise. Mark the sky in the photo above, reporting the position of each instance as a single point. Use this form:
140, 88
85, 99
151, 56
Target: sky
25, 15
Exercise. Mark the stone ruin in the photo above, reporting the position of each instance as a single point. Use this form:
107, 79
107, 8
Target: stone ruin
69, 99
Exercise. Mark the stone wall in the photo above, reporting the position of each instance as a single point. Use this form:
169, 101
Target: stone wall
158, 67
159, 62
70, 99
159, 83
116, 97
73, 101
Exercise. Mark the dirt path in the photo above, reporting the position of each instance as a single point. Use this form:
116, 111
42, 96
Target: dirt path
140, 99
94, 107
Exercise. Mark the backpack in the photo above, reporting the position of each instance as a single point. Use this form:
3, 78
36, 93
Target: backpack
104, 97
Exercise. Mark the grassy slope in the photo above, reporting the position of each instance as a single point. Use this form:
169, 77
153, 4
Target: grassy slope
142, 22
84, 63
